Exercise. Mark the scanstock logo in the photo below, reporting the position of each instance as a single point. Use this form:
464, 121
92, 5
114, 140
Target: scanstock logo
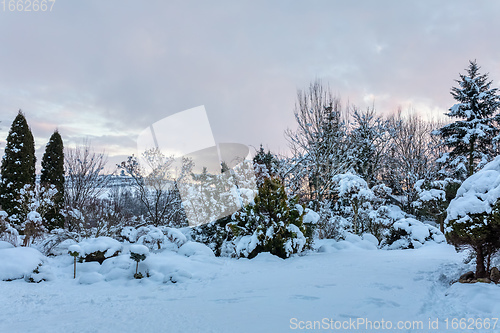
180, 151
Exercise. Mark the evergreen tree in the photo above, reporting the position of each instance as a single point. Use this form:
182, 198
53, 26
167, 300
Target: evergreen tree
273, 223
53, 174
473, 216
18, 167
470, 138
264, 165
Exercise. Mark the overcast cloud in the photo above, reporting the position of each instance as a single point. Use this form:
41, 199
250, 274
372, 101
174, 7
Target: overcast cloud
105, 70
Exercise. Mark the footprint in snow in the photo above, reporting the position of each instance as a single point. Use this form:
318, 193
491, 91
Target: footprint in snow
305, 297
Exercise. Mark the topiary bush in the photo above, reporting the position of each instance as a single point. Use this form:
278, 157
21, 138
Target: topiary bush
138, 253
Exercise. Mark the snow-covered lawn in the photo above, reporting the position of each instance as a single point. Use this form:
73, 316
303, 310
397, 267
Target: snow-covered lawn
266, 294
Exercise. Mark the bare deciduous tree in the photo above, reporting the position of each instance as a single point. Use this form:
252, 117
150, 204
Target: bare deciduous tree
319, 144
85, 181
156, 186
410, 155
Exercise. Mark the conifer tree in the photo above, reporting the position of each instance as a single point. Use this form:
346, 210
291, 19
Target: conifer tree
53, 174
470, 138
18, 167
274, 222
264, 165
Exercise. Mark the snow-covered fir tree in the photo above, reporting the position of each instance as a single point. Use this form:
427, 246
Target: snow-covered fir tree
470, 139
18, 167
53, 174
273, 223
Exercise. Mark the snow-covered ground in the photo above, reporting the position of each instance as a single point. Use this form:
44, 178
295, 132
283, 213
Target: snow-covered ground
344, 281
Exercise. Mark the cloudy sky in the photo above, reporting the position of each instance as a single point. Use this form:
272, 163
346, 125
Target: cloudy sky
106, 70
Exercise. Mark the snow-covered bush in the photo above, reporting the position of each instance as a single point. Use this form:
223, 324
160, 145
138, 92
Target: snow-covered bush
174, 236
473, 217
354, 196
273, 223
358, 209
189, 249
213, 235
153, 237
7, 232
409, 233
433, 198
99, 249
150, 236
19, 262
331, 225
33, 227
129, 234
310, 219
57, 242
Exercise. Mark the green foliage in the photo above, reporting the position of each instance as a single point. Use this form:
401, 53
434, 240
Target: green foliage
481, 232
212, 234
137, 257
18, 167
434, 197
394, 235
264, 165
53, 174
273, 223
35, 276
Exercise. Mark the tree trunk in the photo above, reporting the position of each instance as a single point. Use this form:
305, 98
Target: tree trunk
441, 222
480, 269
488, 264
355, 218
471, 158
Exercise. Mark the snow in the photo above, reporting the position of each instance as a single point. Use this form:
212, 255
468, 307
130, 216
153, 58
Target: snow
432, 194
18, 262
195, 249
418, 234
5, 245
107, 245
129, 233
76, 248
477, 194
263, 294
90, 278
310, 216
370, 238
139, 249
175, 236
350, 242
348, 184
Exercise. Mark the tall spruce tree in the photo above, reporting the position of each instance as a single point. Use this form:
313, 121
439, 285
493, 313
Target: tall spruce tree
53, 174
470, 138
18, 167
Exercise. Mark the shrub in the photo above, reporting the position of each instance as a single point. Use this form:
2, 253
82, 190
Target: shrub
273, 223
